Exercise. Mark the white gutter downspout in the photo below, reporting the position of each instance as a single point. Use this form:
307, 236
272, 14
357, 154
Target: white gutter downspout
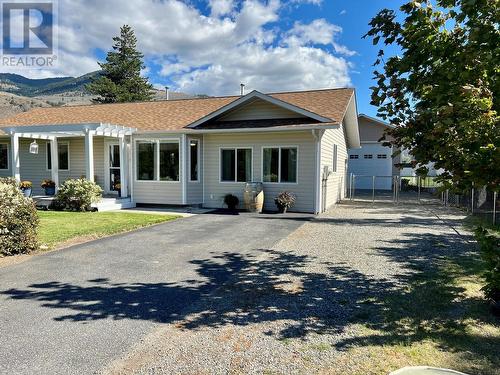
317, 135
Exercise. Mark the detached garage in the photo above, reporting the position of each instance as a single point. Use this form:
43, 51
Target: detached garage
372, 158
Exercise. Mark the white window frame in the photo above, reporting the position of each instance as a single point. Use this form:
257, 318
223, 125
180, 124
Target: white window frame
8, 156
47, 155
189, 158
235, 148
279, 165
156, 180
335, 157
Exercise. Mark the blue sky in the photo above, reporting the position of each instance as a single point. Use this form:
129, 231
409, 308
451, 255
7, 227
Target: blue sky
210, 46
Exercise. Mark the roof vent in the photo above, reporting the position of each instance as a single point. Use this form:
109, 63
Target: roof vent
242, 89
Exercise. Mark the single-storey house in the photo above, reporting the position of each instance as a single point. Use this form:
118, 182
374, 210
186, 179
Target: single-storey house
192, 151
373, 158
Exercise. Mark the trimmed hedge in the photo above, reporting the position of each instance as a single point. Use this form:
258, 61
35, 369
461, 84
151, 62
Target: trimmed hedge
18, 220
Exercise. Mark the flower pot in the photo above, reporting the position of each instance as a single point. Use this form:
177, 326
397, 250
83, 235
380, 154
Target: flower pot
26, 192
50, 190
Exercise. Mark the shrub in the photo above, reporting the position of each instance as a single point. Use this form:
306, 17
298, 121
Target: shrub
78, 194
285, 200
489, 243
18, 220
9, 181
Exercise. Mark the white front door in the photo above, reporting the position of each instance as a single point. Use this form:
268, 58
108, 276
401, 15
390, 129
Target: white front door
112, 168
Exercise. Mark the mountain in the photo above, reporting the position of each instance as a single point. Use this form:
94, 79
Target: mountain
19, 85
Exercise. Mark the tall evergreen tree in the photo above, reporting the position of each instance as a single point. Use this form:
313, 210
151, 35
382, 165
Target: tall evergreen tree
120, 80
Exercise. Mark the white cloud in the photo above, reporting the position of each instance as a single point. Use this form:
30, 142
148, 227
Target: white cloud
343, 12
221, 7
206, 54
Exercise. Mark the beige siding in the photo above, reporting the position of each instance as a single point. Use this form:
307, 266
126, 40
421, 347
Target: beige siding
259, 110
304, 188
333, 189
156, 192
195, 189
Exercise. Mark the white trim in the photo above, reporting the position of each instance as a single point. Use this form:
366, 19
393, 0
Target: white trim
107, 168
47, 155
16, 163
203, 169
189, 158
156, 141
235, 148
183, 168
9, 157
89, 155
279, 165
267, 98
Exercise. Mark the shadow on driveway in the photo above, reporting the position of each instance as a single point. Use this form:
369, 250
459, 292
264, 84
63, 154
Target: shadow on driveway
424, 303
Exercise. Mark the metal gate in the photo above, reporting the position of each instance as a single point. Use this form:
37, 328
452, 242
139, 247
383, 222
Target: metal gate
402, 189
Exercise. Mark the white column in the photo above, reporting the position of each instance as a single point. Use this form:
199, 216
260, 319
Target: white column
89, 155
184, 168
54, 157
15, 161
123, 166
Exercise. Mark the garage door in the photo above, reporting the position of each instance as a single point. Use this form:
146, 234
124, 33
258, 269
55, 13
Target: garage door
372, 159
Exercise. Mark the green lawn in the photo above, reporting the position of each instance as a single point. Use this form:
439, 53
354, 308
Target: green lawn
58, 228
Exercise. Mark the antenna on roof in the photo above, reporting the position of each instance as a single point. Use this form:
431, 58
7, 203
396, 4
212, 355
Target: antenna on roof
242, 89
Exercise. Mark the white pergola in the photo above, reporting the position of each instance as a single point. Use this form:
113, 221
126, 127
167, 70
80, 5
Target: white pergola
51, 133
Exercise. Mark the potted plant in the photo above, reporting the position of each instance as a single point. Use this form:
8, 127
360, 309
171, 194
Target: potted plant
26, 188
118, 188
284, 201
49, 186
231, 201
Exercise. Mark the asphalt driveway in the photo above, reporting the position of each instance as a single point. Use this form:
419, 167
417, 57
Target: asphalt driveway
73, 311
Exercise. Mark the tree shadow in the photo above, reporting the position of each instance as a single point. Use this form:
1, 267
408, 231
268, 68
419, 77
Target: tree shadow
306, 294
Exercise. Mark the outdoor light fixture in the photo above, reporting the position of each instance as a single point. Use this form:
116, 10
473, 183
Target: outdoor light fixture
34, 148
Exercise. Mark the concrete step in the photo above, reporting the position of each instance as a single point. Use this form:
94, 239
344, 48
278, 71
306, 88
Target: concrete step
111, 204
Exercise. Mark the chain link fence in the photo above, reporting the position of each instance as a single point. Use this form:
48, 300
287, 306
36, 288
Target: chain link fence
478, 201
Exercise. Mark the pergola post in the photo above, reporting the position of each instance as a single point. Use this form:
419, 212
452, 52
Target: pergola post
123, 166
89, 155
16, 162
54, 159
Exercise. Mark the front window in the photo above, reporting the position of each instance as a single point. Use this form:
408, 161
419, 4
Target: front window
146, 155
169, 161
280, 164
193, 159
4, 156
63, 156
236, 165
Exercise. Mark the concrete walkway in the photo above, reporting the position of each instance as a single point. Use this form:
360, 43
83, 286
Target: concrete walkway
75, 310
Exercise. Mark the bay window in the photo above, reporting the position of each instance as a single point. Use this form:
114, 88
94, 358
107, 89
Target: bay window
279, 164
158, 161
236, 164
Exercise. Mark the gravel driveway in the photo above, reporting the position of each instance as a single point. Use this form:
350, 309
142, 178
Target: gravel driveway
294, 308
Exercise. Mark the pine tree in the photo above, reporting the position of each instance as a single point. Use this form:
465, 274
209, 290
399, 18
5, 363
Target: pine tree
120, 80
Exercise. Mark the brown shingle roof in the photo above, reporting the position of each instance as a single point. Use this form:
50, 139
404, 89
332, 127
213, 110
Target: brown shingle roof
174, 114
